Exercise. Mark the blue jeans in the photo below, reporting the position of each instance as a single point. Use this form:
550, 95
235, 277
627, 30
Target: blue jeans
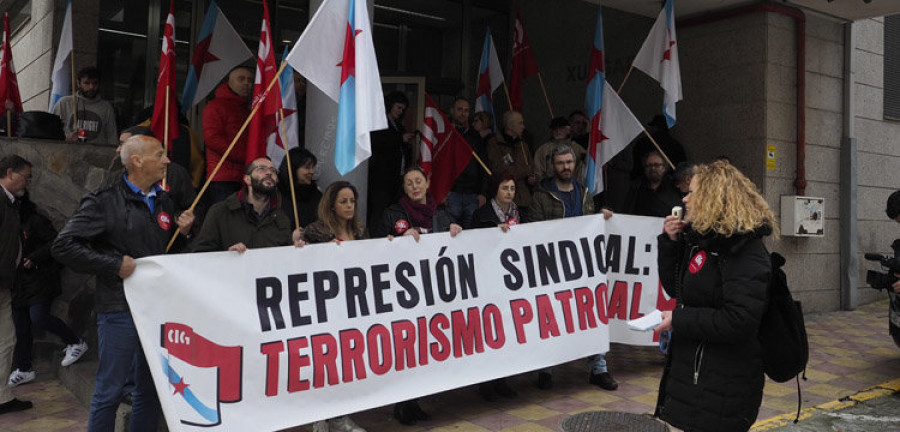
37, 315
461, 207
119, 347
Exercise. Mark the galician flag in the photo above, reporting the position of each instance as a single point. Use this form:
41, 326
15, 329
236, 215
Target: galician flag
658, 58
61, 80
287, 120
613, 126
165, 113
219, 49
490, 76
264, 137
336, 54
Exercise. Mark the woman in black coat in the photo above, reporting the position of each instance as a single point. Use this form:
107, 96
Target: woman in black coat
37, 285
500, 210
416, 212
716, 265
306, 192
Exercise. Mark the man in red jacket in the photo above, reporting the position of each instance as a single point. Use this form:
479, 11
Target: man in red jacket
222, 119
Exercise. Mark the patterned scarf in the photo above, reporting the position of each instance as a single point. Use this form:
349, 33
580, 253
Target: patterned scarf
505, 217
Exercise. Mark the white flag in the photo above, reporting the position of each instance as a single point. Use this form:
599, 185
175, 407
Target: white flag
61, 80
336, 54
658, 58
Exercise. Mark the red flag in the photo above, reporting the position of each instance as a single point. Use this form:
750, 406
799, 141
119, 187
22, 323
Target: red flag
165, 111
9, 85
523, 63
445, 153
264, 125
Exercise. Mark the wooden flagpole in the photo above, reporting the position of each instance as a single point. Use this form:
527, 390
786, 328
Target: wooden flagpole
624, 80
74, 94
290, 169
661, 152
240, 131
166, 135
506, 91
546, 99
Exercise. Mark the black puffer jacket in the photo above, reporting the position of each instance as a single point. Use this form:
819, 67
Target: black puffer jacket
395, 221
110, 223
713, 380
40, 283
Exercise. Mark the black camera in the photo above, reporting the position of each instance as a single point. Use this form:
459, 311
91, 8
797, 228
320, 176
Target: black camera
879, 280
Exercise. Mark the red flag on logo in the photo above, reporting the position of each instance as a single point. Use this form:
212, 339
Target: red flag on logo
445, 153
165, 113
264, 125
9, 85
523, 63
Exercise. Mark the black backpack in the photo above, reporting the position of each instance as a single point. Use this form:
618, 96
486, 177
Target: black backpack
782, 332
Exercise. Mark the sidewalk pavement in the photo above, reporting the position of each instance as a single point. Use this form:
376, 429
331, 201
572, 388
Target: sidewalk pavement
849, 352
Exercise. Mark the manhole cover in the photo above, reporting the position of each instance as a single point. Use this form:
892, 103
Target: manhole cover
612, 421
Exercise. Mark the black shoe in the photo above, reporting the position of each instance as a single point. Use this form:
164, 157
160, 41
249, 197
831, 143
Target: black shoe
545, 381
417, 410
503, 389
604, 380
486, 390
15, 405
403, 414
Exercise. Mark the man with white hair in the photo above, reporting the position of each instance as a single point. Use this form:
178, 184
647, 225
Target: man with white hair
120, 222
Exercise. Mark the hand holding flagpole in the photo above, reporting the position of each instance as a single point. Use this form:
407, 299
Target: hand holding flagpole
234, 141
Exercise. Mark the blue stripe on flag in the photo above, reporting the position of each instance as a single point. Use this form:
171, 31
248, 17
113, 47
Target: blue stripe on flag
210, 414
345, 148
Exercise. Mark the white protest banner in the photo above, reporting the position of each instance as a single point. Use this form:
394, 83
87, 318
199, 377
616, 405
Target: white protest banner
285, 336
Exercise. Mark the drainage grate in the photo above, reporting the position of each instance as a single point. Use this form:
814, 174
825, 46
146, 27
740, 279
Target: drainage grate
612, 421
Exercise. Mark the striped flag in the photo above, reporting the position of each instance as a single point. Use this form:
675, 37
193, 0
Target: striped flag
61, 79
219, 49
490, 76
287, 121
658, 58
613, 126
336, 54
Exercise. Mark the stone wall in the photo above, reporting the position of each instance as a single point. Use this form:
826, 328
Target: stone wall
878, 149
63, 173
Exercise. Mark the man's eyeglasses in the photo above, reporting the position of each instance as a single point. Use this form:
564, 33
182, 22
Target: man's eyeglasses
654, 165
27, 178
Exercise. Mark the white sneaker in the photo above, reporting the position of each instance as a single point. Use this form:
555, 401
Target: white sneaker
18, 377
343, 424
74, 352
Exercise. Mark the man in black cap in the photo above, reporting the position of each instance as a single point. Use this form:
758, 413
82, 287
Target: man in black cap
667, 143
560, 133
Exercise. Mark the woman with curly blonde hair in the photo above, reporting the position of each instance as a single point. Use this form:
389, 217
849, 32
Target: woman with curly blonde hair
714, 263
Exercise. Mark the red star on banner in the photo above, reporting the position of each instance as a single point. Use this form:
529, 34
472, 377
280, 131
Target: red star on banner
202, 56
180, 387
